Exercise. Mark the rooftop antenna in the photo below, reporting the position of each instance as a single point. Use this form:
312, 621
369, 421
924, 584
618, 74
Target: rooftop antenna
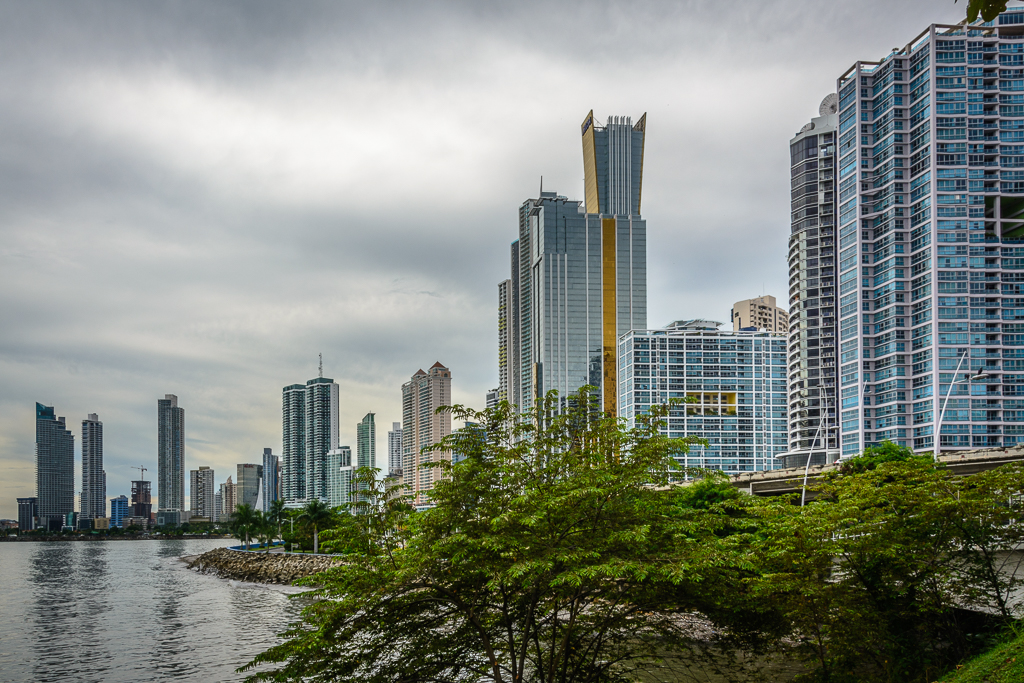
321, 366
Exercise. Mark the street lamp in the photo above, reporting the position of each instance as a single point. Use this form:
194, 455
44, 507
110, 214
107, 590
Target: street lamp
965, 380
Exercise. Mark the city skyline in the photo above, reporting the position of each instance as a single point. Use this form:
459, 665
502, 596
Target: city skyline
274, 269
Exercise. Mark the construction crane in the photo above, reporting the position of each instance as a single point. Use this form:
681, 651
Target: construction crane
142, 472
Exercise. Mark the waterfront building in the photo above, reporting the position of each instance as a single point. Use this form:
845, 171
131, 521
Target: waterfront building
94, 479
341, 476
310, 430
423, 426
505, 340
813, 342
28, 513
228, 499
201, 491
142, 499
395, 450
931, 237
579, 272
170, 464
119, 510
735, 382
760, 313
247, 484
55, 468
270, 485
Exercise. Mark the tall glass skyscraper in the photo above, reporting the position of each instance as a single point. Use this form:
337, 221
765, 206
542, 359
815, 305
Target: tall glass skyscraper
310, 429
94, 479
579, 272
55, 468
170, 463
931, 237
395, 450
366, 442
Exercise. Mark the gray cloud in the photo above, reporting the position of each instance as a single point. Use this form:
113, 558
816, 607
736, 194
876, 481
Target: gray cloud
197, 198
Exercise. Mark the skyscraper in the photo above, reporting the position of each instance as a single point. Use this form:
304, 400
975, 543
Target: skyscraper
94, 479
271, 478
293, 443
28, 514
228, 499
340, 476
931, 239
247, 483
579, 278
366, 442
813, 344
505, 341
170, 464
142, 499
202, 491
395, 450
422, 426
310, 430
55, 468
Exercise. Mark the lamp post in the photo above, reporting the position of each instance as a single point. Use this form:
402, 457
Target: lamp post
965, 380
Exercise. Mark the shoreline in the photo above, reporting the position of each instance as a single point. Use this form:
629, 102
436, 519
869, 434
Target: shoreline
148, 537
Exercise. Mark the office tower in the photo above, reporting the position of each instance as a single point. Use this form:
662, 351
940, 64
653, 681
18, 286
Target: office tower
310, 429
760, 313
366, 442
55, 468
228, 499
931, 222
271, 476
28, 513
505, 343
142, 500
170, 464
119, 510
395, 450
247, 484
202, 491
736, 379
423, 426
340, 476
492, 398
94, 479
813, 344
293, 443
580, 279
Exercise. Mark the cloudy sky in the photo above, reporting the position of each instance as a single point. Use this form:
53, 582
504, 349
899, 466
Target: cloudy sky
198, 198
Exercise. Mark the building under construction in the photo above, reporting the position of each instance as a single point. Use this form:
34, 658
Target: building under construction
142, 500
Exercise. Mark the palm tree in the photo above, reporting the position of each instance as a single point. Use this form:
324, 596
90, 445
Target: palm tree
245, 520
316, 513
276, 514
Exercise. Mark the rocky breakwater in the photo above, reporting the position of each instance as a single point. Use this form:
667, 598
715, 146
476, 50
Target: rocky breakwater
260, 567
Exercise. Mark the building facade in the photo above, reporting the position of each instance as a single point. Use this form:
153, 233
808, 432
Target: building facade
813, 334
734, 382
142, 499
271, 483
293, 443
340, 476
423, 426
247, 483
55, 468
395, 450
759, 313
28, 513
228, 499
579, 273
505, 340
170, 464
94, 479
310, 430
119, 510
931, 237
366, 442
202, 491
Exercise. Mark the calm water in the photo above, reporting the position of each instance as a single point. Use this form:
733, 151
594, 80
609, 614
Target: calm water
129, 611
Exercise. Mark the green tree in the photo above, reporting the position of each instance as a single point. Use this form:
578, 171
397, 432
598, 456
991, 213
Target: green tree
276, 514
550, 555
986, 9
318, 515
245, 521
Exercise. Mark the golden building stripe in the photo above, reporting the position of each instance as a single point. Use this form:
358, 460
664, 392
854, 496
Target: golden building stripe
608, 307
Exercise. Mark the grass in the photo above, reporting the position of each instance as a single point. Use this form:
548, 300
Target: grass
1002, 664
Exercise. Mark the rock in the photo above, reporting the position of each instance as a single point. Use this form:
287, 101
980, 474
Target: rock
260, 567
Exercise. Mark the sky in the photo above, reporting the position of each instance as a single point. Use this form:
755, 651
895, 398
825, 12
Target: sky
199, 198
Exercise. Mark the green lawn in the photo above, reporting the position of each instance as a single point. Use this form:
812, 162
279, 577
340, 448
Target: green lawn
1002, 664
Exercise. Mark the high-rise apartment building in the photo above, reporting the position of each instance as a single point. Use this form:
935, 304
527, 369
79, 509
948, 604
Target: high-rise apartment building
270, 484
395, 450
55, 468
340, 476
28, 513
492, 398
94, 479
579, 272
931, 237
505, 341
170, 464
813, 340
119, 510
366, 442
201, 492
735, 380
760, 313
247, 483
218, 504
310, 430
423, 426
228, 499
